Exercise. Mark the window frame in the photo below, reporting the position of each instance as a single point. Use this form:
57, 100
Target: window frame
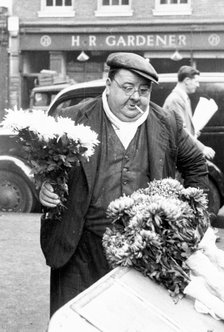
172, 8
113, 10
56, 11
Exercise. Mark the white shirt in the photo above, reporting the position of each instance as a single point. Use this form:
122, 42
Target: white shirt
124, 130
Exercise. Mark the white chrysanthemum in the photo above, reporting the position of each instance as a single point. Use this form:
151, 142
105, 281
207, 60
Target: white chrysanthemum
78, 133
66, 126
47, 127
86, 137
43, 125
16, 119
39, 123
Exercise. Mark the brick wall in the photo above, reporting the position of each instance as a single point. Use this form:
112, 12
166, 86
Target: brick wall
142, 9
208, 8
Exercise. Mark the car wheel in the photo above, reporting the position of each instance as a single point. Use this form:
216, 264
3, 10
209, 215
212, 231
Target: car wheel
15, 193
214, 200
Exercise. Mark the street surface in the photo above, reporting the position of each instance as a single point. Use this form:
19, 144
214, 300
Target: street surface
24, 277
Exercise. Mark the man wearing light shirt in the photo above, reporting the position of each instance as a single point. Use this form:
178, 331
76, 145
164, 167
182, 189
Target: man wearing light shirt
178, 100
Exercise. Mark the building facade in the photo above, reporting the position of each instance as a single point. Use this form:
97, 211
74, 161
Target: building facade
74, 37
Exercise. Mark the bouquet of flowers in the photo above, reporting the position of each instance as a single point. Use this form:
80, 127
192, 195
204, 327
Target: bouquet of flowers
155, 230
52, 146
164, 232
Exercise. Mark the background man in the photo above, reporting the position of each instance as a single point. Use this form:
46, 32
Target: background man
178, 99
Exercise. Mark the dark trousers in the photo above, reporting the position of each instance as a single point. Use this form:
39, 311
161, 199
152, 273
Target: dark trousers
86, 266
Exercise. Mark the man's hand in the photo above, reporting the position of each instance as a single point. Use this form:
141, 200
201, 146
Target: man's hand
47, 196
209, 153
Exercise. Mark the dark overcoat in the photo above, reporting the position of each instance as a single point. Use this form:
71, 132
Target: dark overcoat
169, 147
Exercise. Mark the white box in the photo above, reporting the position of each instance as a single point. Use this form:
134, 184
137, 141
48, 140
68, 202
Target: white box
126, 301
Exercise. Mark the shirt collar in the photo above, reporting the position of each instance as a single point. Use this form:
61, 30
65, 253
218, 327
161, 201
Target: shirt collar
117, 122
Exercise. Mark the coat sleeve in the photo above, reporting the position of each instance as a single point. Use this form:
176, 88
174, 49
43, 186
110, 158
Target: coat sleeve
190, 160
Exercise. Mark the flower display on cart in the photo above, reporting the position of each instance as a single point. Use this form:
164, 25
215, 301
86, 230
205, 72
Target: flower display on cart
157, 231
52, 147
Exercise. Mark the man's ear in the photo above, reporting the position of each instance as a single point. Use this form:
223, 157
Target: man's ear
108, 85
186, 80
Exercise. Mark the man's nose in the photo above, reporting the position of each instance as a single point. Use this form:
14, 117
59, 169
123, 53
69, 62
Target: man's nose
135, 94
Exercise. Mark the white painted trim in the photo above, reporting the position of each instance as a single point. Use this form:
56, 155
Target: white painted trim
56, 13
114, 12
172, 9
53, 11
120, 10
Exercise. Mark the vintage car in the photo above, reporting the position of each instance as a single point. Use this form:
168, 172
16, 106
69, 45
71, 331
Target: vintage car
41, 96
17, 187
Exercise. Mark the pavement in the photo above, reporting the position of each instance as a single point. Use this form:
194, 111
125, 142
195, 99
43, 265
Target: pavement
24, 276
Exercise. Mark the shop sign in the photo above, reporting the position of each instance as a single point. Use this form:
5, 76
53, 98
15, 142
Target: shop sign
95, 42
169, 40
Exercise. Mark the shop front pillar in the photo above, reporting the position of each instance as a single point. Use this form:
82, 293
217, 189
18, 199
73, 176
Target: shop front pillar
58, 63
14, 61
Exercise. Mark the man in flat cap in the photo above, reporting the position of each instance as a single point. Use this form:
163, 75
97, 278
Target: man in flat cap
139, 142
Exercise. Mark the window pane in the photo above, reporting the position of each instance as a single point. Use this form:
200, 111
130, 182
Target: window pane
183, 1
68, 2
163, 2
173, 1
58, 2
105, 2
49, 3
115, 2
125, 2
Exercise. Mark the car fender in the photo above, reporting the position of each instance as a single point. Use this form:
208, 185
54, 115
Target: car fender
19, 166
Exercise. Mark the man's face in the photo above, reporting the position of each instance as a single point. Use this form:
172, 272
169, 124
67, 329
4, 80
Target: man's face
126, 91
192, 84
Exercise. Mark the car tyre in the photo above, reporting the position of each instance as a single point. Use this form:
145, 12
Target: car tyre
15, 193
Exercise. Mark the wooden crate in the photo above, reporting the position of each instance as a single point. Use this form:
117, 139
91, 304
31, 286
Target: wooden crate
126, 301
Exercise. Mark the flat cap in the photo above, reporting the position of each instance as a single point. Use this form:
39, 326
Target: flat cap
133, 62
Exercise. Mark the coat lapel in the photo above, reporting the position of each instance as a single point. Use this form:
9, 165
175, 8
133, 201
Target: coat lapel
157, 143
93, 119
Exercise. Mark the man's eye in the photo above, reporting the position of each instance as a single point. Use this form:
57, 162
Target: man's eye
144, 90
128, 88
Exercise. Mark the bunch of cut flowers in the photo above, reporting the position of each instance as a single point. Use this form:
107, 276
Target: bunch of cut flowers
158, 231
52, 147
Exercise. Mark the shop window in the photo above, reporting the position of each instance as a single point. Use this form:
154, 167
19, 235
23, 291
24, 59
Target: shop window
172, 7
57, 8
114, 8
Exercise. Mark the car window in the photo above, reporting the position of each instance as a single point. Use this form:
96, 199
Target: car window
41, 99
161, 91
74, 97
66, 103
